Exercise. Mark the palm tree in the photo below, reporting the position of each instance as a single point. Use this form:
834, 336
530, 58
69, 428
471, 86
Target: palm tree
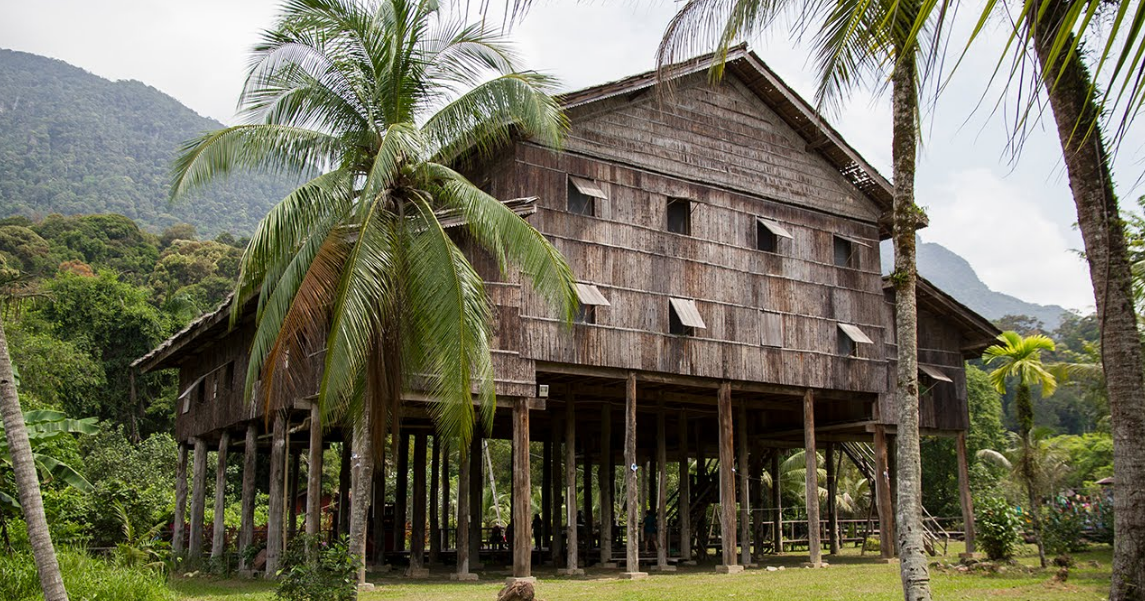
1020, 358
857, 41
27, 482
378, 104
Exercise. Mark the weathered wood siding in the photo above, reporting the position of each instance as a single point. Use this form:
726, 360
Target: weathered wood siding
697, 146
221, 405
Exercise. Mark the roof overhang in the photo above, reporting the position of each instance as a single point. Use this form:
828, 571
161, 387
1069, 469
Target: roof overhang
977, 331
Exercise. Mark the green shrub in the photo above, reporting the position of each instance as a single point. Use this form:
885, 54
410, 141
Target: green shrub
1063, 527
998, 527
85, 578
315, 570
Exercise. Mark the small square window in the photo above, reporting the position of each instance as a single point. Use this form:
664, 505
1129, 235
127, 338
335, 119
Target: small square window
771, 329
768, 233
229, 376
201, 391
582, 195
683, 317
845, 255
846, 346
585, 314
680, 216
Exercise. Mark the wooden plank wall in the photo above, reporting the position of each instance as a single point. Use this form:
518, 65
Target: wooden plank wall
222, 406
625, 250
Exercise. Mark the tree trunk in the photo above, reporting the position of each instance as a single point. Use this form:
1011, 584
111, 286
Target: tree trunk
1024, 408
362, 476
913, 567
1103, 232
27, 481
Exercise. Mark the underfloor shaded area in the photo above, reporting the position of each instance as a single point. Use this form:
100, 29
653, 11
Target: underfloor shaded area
848, 577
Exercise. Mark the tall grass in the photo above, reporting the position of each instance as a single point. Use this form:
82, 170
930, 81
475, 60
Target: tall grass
86, 578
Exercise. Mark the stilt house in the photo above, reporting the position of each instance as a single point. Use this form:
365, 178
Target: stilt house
726, 243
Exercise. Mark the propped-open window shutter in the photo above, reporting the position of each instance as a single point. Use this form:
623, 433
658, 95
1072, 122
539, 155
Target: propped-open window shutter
589, 294
588, 187
775, 228
855, 334
687, 312
934, 373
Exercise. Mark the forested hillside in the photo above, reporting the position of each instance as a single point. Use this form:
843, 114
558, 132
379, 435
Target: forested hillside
72, 142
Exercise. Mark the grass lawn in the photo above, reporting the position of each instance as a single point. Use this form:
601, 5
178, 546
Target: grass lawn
848, 577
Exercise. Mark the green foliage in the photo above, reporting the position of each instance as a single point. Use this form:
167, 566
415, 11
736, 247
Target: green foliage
72, 142
141, 546
1063, 526
48, 432
1089, 456
997, 526
85, 578
204, 271
314, 570
140, 477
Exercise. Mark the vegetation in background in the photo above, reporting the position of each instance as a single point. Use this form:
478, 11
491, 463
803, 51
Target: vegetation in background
317, 570
998, 527
86, 578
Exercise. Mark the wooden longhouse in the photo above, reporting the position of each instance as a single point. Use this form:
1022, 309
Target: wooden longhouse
726, 240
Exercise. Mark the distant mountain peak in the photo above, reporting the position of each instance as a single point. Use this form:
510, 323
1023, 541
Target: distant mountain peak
954, 275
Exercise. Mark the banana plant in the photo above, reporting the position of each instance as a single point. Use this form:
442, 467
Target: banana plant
44, 428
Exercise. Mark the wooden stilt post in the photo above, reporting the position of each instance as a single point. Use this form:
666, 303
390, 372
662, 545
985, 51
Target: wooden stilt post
444, 495
832, 502
728, 533
883, 495
814, 544
465, 460
292, 495
417, 567
219, 532
434, 516
401, 492
684, 503
632, 534
572, 566
180, 527
558, 494
744, 489
964, 497
378, 505
198, 501
546, 496
246, 520
522, 493
757, 521
476, 498
662, 493
274, 513
314, 474
344, 485
776, 504
586, 542
607, 478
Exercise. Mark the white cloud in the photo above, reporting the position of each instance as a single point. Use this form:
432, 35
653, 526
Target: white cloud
1002, 229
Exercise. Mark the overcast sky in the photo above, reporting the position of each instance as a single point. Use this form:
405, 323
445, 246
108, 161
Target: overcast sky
1014, 223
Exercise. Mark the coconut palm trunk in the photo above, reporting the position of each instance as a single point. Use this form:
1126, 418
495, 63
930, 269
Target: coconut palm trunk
1103, 232
1024, 407
27, 481
913, 566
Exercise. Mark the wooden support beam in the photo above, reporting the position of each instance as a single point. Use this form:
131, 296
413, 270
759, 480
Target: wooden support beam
632, 535
275, 505
776, 503
832, 500
814, 546
219, 532
378, 506
586, 488
444, 495
546, 495
180, 501
344, 485
314, 474
401, 491
246, 519
292, 495
417, 528
465, 460
198, 501
558, 494
572, 566
522, 492
607, 478
757, 516
727, 483
684, 504
883, 496
662, 493
964, 497
434, 487
475, 498
744, 489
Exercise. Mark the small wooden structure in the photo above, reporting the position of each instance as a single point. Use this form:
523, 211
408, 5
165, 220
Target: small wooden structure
726, 240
